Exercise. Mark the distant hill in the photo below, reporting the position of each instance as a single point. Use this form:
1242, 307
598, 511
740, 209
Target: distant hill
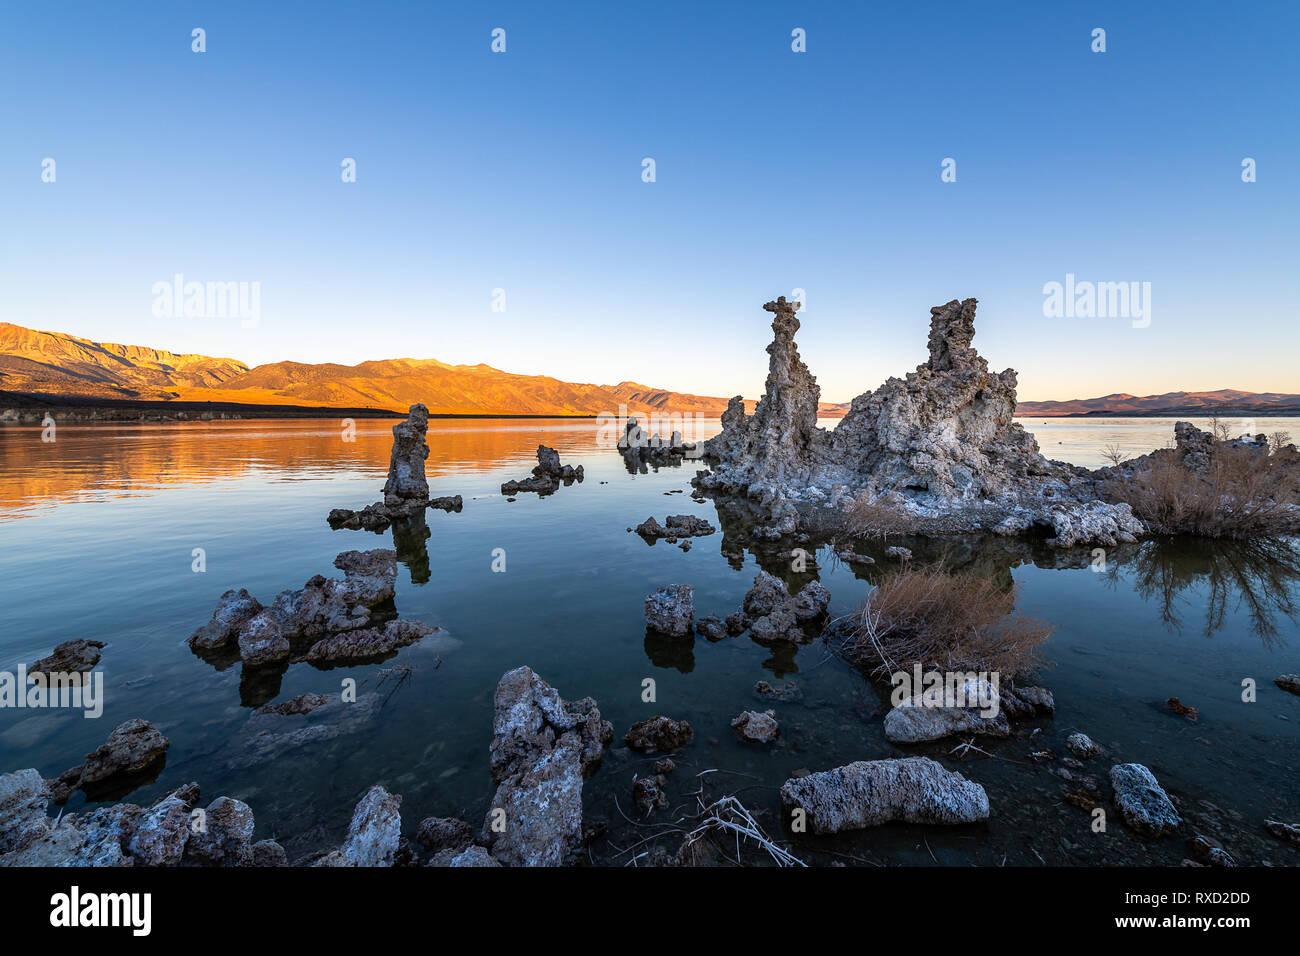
1227, 401
48, 363
51, 363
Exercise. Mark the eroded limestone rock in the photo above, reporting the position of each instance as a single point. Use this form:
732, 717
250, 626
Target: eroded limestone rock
542, 747
871, 792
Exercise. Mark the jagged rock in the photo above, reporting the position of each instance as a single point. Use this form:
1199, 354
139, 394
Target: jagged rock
444, 833
773, 615
262, 641
939, 446
760, 728
659, 735
872, 792
918, 719
1142, 802
711, 628
1288, 682
1287, 832
1082, 746
70, 657
374, 833
470, 856
133, 749
648, 793
670, 610
787, 693
234, 609
302, 704
665, 766
23, 797
542, 747
548, 475
1208, 854
406, 480
367, 643
379, 516
268, 853
225, 837
162, 831
675, 526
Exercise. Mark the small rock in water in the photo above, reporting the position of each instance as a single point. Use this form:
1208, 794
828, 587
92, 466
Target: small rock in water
1288, 682
1287, 832
70, 657
760, 728
871, 792
648, 794
1081, 746
659, 734
1142, 802
670, 610
1176, 707
899, 554
1208, 854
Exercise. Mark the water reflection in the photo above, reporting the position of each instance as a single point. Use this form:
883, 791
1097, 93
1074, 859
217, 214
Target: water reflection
1259, 577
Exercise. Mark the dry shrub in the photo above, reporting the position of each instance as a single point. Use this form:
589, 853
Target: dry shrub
870, 519
944, 621
1243, 493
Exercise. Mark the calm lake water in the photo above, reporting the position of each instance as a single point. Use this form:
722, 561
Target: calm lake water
98, 528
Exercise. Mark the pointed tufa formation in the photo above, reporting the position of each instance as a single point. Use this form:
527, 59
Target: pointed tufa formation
406, 492
406, 481
939, 448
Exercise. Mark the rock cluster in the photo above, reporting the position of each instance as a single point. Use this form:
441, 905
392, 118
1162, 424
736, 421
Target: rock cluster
659, 735
174, 831
548, 475
542, 748
772, 614
871, 792
938, 449
406, 492
328, 620
641, 450
674, 527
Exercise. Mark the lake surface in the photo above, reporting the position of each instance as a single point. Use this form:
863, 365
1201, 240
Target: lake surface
98, 529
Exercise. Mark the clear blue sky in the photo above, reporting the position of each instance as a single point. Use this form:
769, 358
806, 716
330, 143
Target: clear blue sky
775, 171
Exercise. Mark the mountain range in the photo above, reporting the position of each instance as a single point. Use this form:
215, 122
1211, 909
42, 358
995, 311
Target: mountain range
53, 364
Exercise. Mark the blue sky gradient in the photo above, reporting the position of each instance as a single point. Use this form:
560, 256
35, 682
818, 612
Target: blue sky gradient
775, 171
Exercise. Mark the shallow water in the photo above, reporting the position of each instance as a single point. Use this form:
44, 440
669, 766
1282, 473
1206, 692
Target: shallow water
97, 532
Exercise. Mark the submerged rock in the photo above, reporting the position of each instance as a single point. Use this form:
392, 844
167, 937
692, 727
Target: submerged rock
1142, 802
670, 610
133, 750
659, 735
1288, 682
70, 657
1287, 832
1081, 746
871, 792
542, 747
918, 719
649, 795
759, 728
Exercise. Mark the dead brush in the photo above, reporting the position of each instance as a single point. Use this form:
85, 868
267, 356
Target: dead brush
945, 621
1246, 492
871, 519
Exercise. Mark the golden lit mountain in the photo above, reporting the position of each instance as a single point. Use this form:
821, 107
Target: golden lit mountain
53, 364
50, 364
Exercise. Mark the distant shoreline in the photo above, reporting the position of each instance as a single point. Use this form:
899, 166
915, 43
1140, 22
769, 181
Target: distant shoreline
80, 408
129, 410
